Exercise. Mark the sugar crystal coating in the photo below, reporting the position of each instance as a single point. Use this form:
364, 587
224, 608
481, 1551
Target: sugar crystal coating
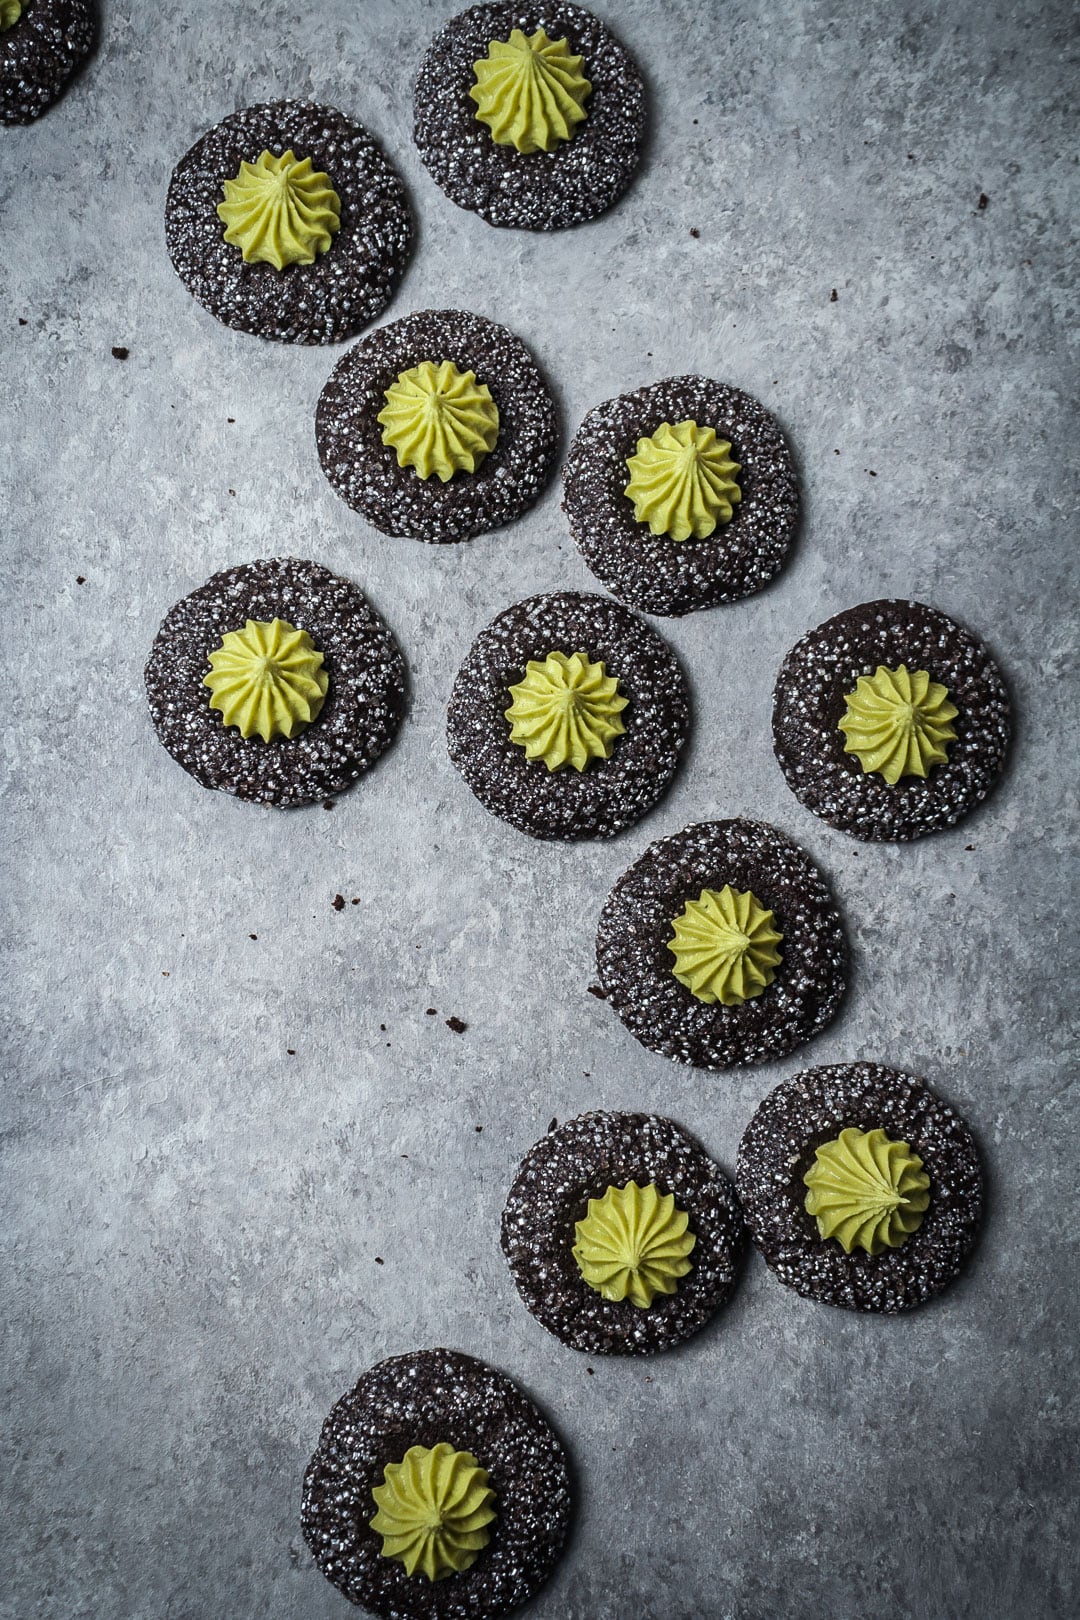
779, 1146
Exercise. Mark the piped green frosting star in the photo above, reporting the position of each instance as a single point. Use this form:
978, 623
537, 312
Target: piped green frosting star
866, 1191
267, 679
10, 12
280, 211
566, 711
530, 91
434, 1509
725, 946
633, 1244
898, 723
682, 481
439, 420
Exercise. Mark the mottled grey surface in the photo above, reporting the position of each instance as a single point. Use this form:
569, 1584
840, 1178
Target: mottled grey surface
193, 1215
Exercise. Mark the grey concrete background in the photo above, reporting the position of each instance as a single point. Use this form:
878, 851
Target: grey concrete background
193, 1216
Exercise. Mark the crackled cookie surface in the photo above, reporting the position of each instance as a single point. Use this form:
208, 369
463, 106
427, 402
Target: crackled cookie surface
434, 1399
511, 126
287, 221
366, 441
681, 495
545, 1220
626, 738
639, 969
341, 676
42, 43
846, 720
937, 1187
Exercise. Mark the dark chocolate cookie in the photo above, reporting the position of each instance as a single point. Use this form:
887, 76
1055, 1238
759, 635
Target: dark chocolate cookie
420, 1400
536, 191
39, 52
348, 285
651, 571
359, 717
778, 1148
635, 965
808, 705
581, 1160
609, 794
364, 471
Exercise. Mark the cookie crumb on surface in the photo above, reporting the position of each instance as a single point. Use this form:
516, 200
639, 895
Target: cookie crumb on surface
119, 352
459, 1026
338, 902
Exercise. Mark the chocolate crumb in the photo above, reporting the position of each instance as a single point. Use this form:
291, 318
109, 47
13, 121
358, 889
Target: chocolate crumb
598, 991
80, 579
982, 202
119, 352
383, 1028
253, 936
230, 419
590, 1370
21, 321
290, 1051
554, 1125
694, 231
338, 902
478, 1128
432, 1012
355, 900
833, 296
328, 804
458, 1025
873, 474
969, 846
379, 1260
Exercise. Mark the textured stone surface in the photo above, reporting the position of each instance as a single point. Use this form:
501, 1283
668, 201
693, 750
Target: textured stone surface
194, 1215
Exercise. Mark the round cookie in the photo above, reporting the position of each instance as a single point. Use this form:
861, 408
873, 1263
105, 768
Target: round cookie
359, 717
536, 191
779, 1146
808, 705
422, 1399
636, 967
364, 471
39, 52
345, 287
651, 571
581, 1160
609, 794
